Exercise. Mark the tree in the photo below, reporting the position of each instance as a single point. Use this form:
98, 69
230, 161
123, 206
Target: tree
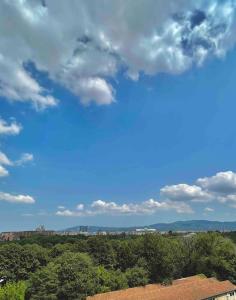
161, 254
13, 291
214, 255
102, 251
70, 276
125, 254
110, 280
17, 262
136, 276
43, 284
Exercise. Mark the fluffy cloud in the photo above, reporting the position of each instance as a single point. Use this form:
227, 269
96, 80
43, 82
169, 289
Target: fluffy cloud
147, 207
12, 128
17, 85
68, 213
3, 172
178, 198
220, 187
16, 198
185, 192
9, 129
222, 183
80, 207
83, 45
5, 161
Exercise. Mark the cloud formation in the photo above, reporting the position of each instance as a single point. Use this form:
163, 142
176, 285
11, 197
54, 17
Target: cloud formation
148, 207
220, 187
3, 172
222, 183
16, 198
12, 128
25, 158
178, 198
185, 192
83, 45
209, 209
4, 161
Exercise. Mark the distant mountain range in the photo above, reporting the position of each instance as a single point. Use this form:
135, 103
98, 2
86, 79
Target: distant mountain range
193, 225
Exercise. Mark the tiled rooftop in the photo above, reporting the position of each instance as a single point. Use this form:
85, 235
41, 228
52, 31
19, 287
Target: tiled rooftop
190, 288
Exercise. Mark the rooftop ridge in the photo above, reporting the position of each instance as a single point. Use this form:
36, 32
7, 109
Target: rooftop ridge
194, 288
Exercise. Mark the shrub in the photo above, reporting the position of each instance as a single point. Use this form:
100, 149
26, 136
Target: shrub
13, 291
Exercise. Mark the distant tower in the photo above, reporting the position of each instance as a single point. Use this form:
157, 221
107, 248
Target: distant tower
41, 228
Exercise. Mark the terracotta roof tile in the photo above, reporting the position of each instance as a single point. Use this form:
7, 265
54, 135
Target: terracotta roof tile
190, 288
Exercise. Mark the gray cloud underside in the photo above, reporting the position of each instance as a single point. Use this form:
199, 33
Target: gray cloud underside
82, 45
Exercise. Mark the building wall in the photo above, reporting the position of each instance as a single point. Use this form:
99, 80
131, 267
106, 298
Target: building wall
10, 236
226, 297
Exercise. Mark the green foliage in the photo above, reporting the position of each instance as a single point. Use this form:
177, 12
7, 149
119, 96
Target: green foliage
118, 280
50, 241
214, 255
125, 256
102, 251
70, 276
162, 256
136, 276
44, 284
110, 280
71, 268
13, 291
17, 262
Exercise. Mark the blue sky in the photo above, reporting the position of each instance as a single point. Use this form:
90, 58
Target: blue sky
138, 142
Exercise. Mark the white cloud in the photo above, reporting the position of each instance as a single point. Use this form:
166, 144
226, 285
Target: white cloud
185, 192
4, 160
83, 45
221, 183
209, 209
61, 207
16, 198
3, 172
68, 213
27, 215
25, 158
177, 198
17, 85
80, 206
220, 187
9, 129
100, 207
12, 128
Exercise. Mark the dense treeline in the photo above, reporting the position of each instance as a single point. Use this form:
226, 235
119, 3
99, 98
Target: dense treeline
75, 267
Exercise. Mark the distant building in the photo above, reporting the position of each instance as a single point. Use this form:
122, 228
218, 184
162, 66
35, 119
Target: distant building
41, 228
83, 229
17, 235
141, 231
99, 232
190, 288
66, 233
